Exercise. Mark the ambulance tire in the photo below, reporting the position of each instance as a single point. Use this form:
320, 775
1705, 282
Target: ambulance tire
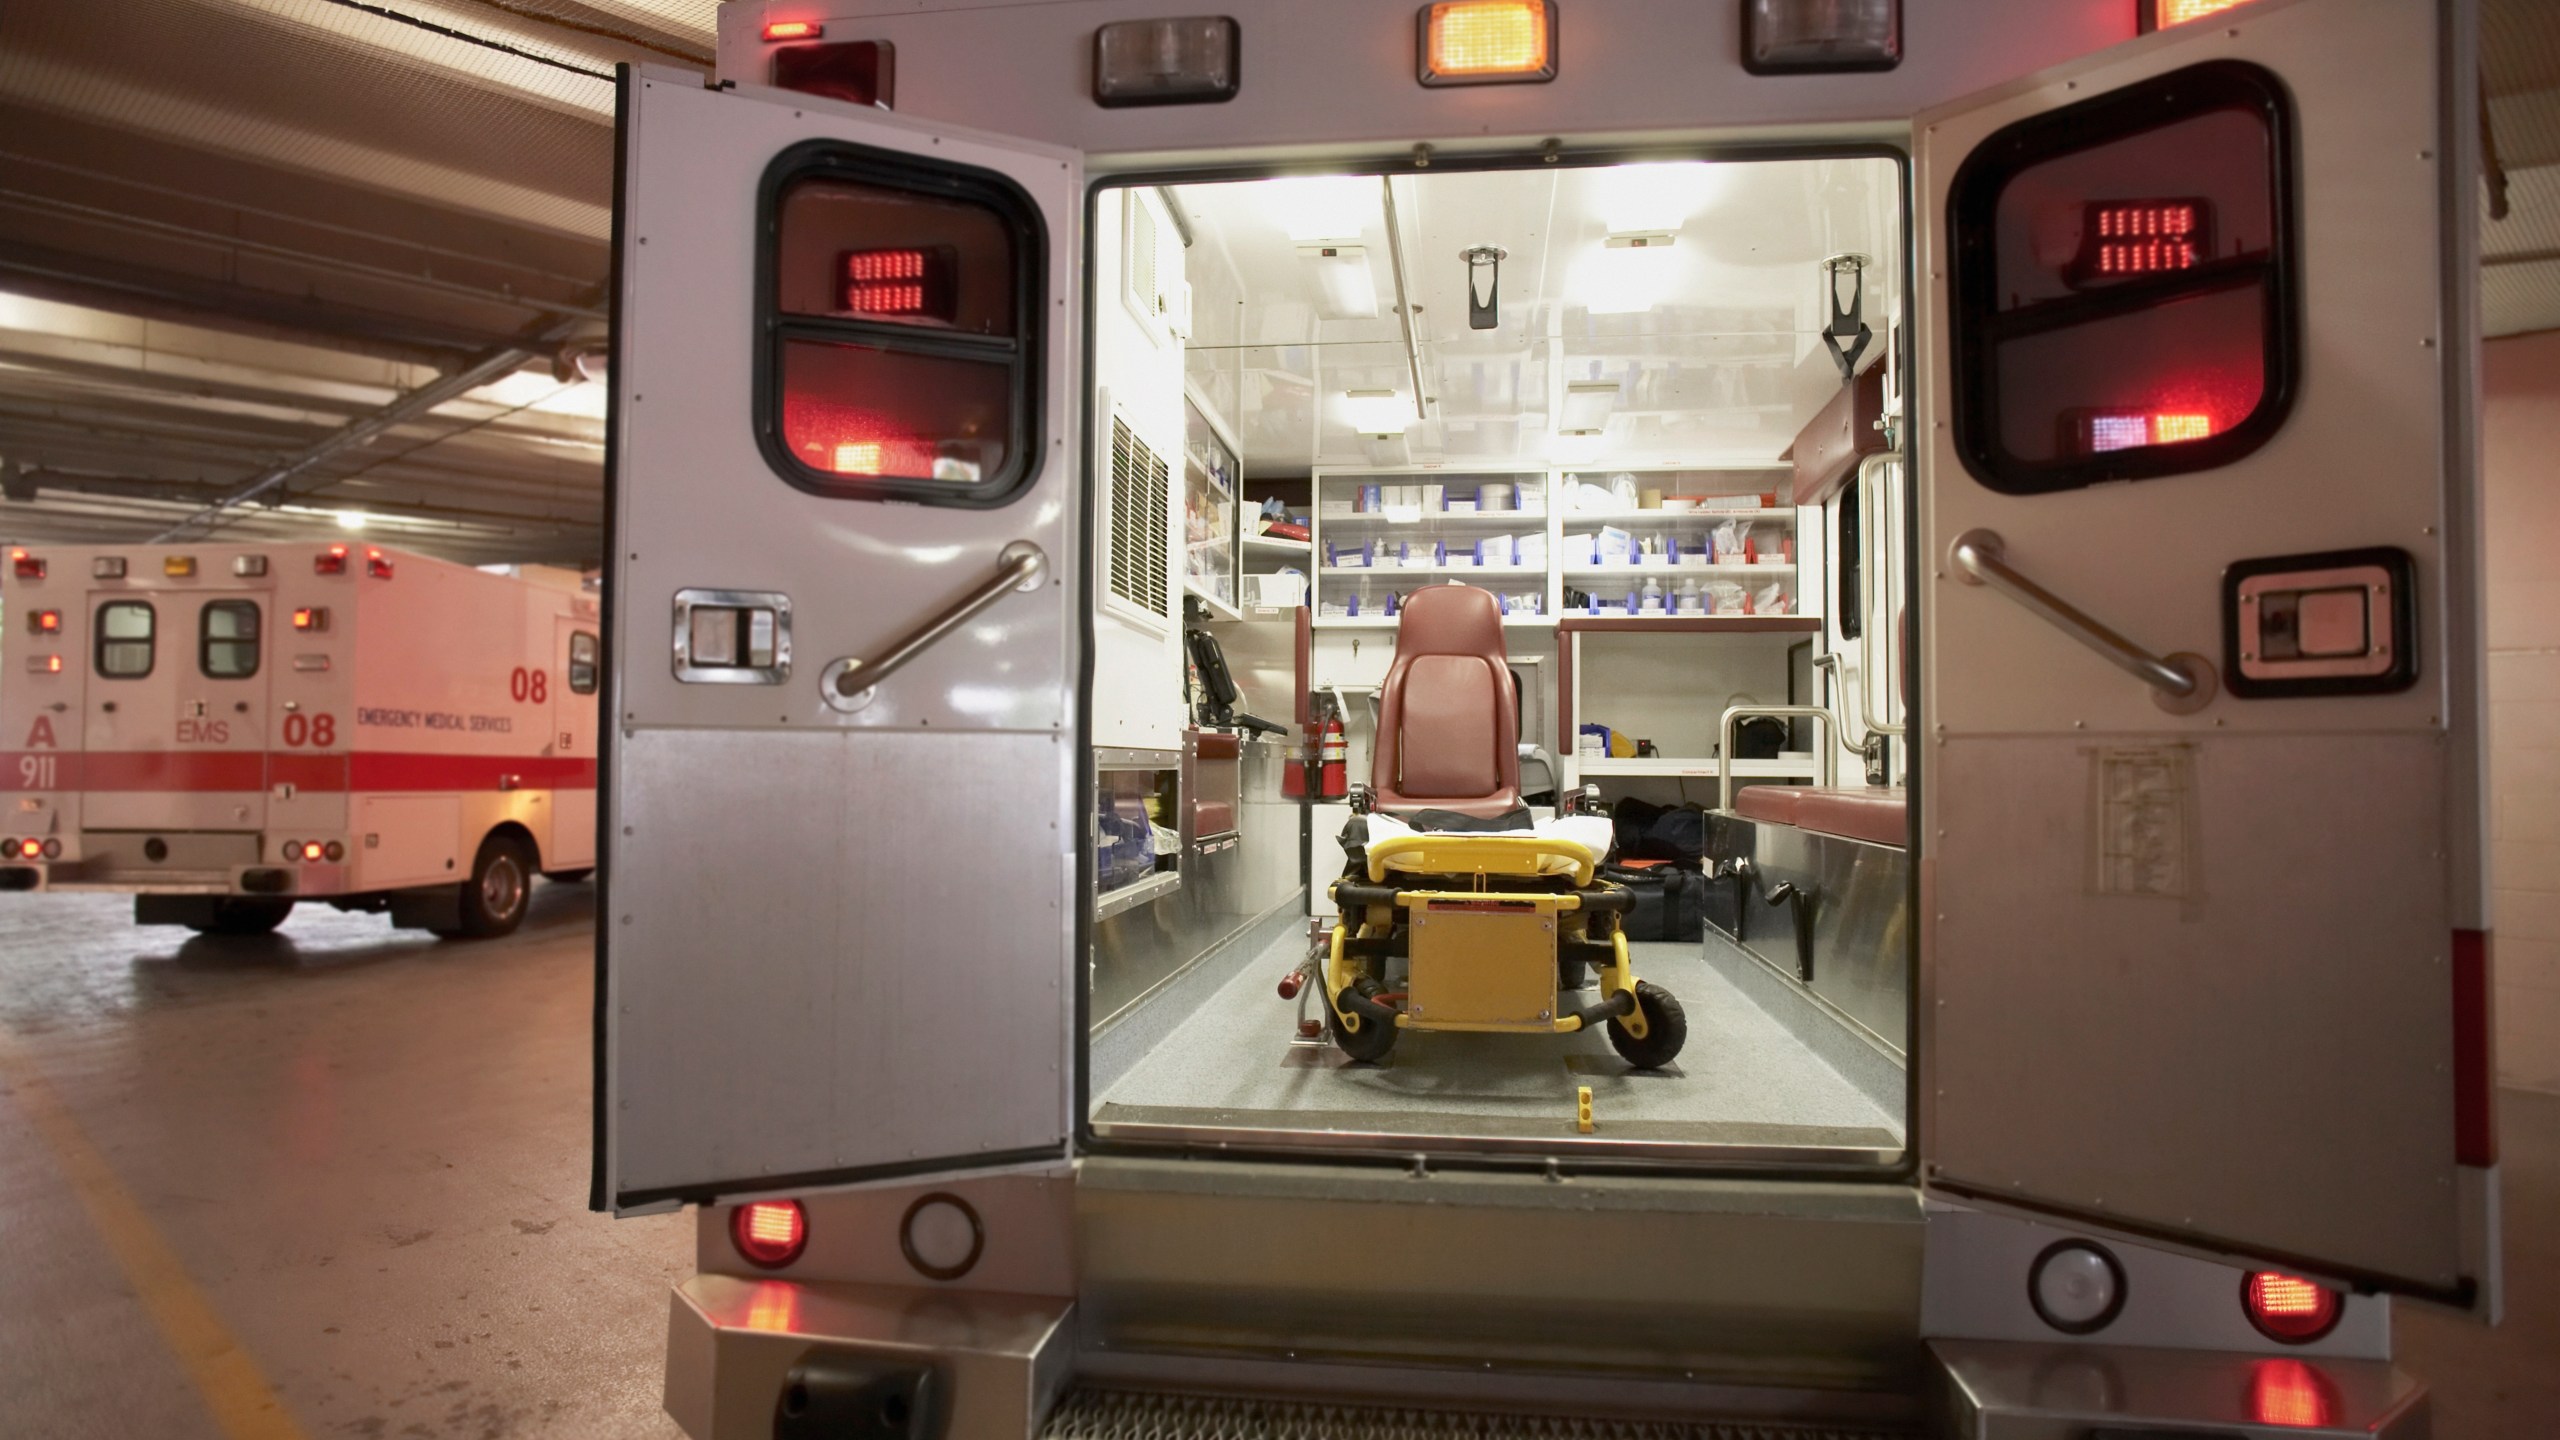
1371, 1041
494, 898
1666, 1029
568, 877
237, 915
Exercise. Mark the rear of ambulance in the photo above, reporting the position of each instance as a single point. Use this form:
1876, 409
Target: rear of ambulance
137, 713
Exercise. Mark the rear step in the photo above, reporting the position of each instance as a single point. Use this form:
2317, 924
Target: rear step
1099, 1413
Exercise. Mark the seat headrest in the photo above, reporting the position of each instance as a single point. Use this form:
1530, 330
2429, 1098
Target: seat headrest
1449, 620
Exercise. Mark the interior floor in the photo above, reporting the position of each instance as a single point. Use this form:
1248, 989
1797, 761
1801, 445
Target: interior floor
1744, 1081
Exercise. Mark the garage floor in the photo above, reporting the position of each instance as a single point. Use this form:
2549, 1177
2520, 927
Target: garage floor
346, 1168
358, 1155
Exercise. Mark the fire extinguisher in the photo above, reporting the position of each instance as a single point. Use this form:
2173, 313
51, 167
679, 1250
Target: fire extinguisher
1293, 775
1335, 772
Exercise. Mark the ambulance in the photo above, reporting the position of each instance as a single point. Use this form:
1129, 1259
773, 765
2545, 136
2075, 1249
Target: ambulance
228, 731
1983, 497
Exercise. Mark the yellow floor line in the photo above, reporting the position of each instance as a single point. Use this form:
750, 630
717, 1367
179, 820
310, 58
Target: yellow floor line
234, 1388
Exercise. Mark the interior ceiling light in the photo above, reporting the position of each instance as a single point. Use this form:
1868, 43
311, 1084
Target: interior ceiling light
2150, 15
1624, 279
1377, 412
1806, 37
1344, 287
1317, 208
1189, 61
1634, 199
1586, 407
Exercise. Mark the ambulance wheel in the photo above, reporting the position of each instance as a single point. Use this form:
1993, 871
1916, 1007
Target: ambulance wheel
493, 899
235, 915
1371, 1041
1666, 1029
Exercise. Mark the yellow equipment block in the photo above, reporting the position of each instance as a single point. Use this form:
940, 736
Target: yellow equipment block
1482, 962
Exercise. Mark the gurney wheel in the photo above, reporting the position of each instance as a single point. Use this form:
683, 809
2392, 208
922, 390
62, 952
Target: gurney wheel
1666, 1029
1369, 1042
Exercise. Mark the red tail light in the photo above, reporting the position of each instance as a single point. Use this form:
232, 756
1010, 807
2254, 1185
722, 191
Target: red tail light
2288, 1308
30, 849
45, 622
2150, 15
769, 1234
332, 561
2292, 1394
376, 566
794, 30
29, 567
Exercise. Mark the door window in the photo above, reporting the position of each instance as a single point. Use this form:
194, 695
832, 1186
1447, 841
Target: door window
582, 663
2124, 284
126, 639
227, 647
902, 321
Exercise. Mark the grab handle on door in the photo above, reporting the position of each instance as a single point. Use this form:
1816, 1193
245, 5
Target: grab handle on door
2184, 682
849, 683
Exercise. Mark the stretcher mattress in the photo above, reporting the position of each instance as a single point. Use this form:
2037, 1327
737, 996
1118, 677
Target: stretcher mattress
1592, 832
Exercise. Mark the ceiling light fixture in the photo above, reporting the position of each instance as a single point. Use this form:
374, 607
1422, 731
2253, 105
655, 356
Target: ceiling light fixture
1586, 407
1346, 289
1377, 412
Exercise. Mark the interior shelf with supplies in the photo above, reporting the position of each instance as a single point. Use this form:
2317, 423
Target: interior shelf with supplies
1381, 534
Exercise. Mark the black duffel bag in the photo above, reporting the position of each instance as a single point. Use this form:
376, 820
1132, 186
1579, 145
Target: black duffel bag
1670, 901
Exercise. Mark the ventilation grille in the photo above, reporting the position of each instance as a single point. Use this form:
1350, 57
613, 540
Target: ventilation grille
1140, 533
1092, 1413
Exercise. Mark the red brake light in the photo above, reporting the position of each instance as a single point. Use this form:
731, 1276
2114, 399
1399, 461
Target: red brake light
909, 282
769, 1234
793, 30
30, 849
52, 849
2120, 239
2288, 1308
332, 561
2292, 1394
29, 567
375, 565
46, 622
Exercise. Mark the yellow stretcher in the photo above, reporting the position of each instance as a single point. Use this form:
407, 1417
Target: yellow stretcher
1494, 932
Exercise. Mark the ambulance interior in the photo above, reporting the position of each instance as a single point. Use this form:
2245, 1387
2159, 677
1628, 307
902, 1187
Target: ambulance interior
1619, 400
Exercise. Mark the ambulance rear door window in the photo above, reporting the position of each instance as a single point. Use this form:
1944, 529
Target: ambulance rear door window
127, 639
2126, 284
901, 312
582, 663
227, 648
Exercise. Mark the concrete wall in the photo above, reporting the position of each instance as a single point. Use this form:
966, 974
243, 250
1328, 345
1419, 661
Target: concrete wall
2521, 381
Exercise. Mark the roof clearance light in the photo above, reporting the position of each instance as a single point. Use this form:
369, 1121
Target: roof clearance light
375, 565
2150, 15
28, 567
858, 72
311, 617
1190, 61
769, 1234
248, 566
793, 30
179, 566
1811, 37
332, 561
1487, 42
107, 567
2287, 1308
900, 284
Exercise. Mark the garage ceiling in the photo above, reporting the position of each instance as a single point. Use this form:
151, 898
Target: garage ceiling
345, 253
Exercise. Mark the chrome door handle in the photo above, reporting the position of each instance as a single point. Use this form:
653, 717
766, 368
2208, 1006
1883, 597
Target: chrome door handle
848, 684
2184, 682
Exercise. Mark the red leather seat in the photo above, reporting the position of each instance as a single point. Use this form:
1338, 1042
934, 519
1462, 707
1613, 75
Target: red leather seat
1875, 814
1448, 720
1768, 804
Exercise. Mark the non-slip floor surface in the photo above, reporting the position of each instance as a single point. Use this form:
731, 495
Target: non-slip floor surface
1742, 1080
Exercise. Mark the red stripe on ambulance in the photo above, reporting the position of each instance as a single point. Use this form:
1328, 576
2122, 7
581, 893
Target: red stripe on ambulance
199, 771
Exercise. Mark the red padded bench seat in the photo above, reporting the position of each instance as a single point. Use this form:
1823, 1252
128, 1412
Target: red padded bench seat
1870, 813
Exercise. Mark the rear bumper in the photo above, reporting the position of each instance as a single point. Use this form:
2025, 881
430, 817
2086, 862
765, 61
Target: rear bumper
102, 877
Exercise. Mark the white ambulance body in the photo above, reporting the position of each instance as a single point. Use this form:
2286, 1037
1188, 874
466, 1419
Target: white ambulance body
2159, 935
228, 730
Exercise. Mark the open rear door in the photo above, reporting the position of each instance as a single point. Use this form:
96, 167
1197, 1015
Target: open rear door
836, 943
2201, 807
